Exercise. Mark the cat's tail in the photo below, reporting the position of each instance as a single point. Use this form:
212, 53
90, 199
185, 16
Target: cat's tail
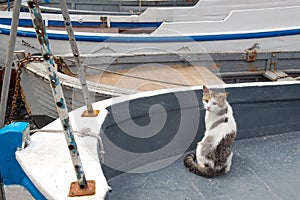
191, 164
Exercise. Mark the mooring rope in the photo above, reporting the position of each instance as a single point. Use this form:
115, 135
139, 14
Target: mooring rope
85, 132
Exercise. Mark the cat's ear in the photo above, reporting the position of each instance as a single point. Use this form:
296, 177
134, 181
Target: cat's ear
224, 95
205, 90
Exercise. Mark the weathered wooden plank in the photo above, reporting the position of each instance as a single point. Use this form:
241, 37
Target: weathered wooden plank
154, 77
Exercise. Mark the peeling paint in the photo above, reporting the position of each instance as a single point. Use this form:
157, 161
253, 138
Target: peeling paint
57, 91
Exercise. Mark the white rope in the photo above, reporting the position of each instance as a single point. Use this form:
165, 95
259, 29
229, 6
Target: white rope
85, 132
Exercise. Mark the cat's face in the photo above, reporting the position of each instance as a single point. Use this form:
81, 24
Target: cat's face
213, 101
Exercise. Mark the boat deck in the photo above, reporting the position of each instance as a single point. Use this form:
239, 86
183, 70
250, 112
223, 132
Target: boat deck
147, 78
263, 168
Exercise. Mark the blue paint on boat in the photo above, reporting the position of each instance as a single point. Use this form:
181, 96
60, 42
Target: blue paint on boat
28, 23
22, 22
158, 39
11, 171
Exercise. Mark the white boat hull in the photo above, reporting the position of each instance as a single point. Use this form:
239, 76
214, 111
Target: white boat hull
271, 28
35, 83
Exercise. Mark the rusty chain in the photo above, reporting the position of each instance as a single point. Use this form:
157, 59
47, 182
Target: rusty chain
18, 89
16, 94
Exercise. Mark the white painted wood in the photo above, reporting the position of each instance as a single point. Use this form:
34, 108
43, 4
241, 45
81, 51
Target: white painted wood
35, 83
47, 162
235, 22
13, 192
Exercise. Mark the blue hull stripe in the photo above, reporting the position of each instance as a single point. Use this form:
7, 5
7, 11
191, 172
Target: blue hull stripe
28, 22
157, 39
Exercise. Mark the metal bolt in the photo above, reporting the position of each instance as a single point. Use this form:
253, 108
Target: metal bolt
59, 104
46, 56
71, 147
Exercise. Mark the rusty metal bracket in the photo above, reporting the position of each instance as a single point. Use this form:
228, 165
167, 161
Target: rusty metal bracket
272, 62
104, 21
251, 55
76, 190
87, 113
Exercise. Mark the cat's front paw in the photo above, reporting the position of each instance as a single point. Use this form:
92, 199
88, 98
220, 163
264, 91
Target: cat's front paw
189, 160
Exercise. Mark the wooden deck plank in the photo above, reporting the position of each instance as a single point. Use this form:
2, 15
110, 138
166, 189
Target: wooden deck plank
146, 78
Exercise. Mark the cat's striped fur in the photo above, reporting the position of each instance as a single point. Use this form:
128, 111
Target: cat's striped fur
214, 152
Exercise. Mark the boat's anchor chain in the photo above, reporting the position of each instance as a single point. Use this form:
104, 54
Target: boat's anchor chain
18, 94
61, 64
15, 96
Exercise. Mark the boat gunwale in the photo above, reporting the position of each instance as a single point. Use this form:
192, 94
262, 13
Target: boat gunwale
144, 38
73, 82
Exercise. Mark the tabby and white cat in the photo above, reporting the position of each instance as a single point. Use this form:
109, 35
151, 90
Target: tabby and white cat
214, 151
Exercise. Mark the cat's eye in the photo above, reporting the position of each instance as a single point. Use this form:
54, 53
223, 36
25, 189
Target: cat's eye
214, 103
206, 100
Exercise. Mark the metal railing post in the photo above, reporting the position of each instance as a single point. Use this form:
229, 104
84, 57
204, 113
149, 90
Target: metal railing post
64, 10
9, 60
83, 187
